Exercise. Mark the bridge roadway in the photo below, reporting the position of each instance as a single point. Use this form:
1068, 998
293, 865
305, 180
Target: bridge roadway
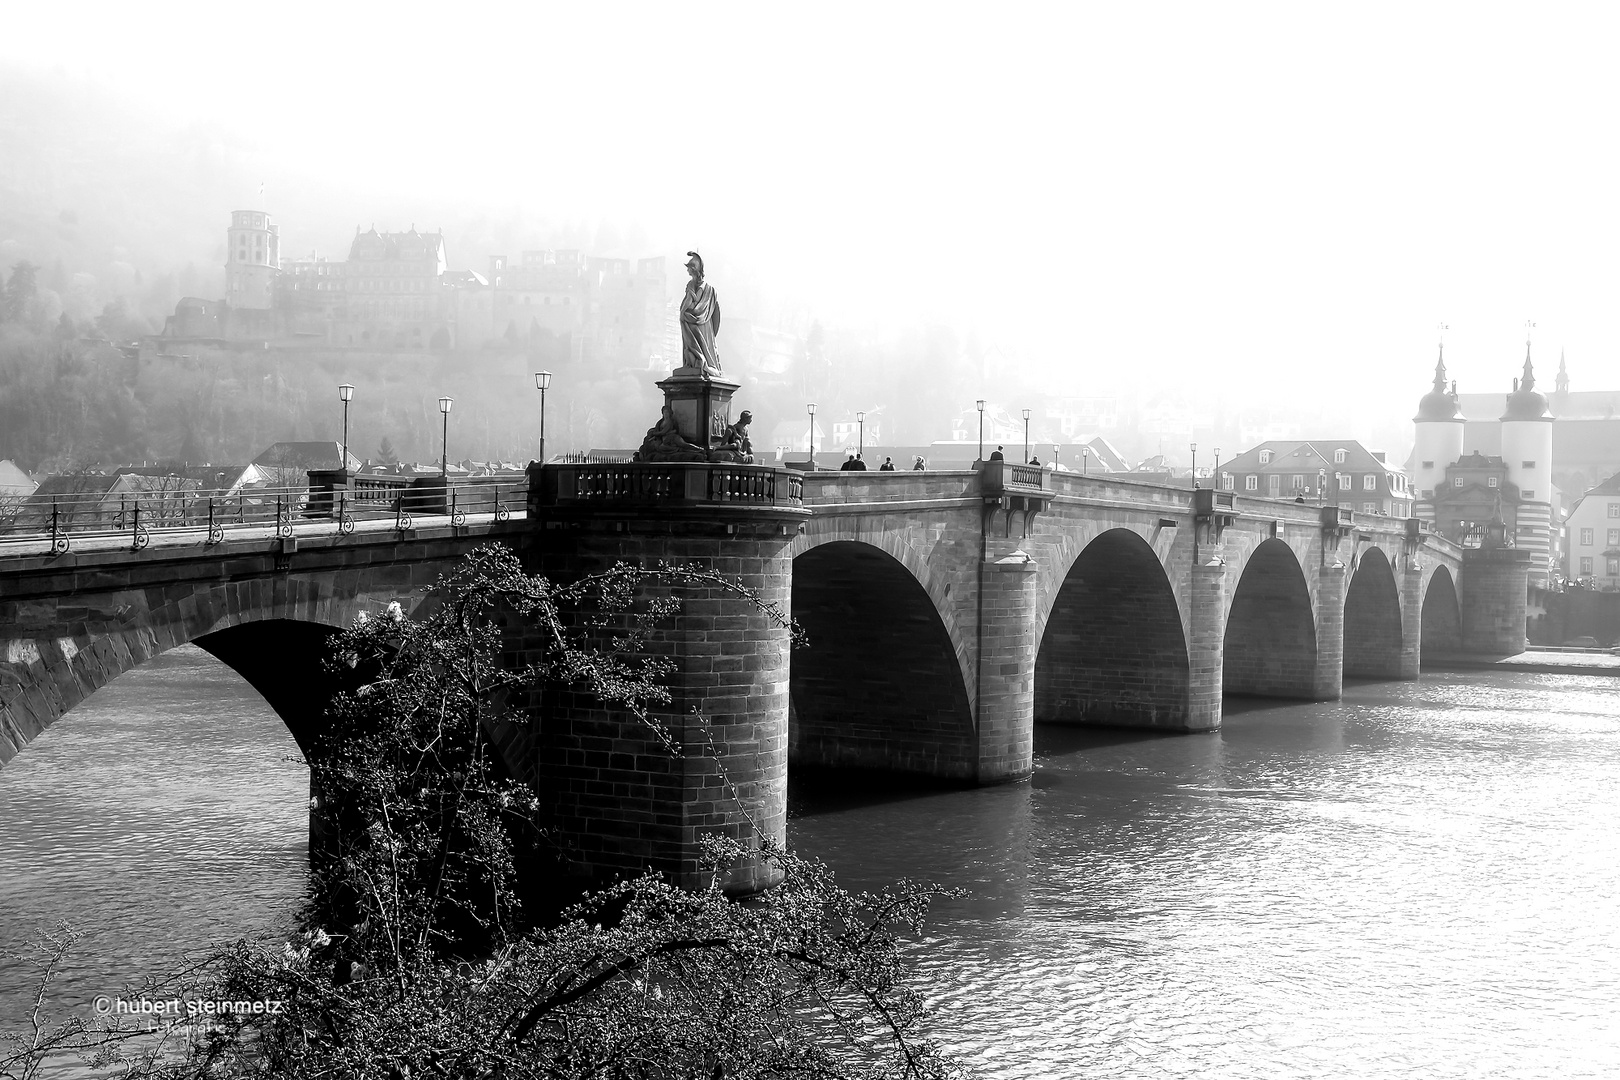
947, 612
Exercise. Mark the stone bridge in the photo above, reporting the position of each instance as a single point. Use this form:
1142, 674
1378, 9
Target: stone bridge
947, 613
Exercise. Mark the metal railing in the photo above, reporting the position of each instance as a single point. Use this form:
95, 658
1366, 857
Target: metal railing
138, 516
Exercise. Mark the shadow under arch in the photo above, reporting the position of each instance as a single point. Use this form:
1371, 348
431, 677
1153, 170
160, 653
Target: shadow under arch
1113, 652
1269, 648
1372, 619
879, 685
1440, 623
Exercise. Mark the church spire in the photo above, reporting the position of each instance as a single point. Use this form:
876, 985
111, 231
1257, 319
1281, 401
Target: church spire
1528, 382
1561, 384
1440, 371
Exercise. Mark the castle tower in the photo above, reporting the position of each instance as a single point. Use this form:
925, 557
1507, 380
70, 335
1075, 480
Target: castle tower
1527, 452
252, 260
1439, 440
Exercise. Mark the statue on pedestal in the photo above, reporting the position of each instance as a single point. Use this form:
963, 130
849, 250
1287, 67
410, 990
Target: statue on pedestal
735, 446
664, 442
700, 322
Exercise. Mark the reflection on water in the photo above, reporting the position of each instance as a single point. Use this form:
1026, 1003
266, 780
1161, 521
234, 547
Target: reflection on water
1420, 880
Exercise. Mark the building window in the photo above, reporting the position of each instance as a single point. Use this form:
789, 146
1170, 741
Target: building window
1528, 494
1344, 481
1369, 482
1614, 567
1369, 508
1428, 464
1586, 537
1299, 482
1586, 566
1251, 483
1529, 465
1227, 481
1338, 457
1614, 510
1428, 493
1614, 538
1265, 457
1491, 482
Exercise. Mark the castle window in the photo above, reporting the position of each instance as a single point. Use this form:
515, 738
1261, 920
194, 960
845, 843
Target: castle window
1428, 464
1428, 493
1491, 481
1529, 465
1456, 481
1529, 494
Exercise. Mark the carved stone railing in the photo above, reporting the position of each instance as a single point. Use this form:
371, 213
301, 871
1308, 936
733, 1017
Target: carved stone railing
1011, 478
663, 483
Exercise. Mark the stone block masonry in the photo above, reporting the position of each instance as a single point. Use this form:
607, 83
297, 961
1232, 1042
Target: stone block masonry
616, 795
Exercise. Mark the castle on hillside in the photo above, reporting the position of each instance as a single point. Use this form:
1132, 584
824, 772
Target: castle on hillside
1511, 458
396, 291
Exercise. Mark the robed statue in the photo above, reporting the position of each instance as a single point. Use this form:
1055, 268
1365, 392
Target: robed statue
700, 322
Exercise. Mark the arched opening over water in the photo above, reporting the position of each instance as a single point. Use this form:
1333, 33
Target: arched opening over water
1113, 651
1441, 620
879, 686
1372, 619
1269, 648
167, 809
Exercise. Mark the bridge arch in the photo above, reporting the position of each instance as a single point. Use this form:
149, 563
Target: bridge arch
1113, 650
1269, 647
881, 683
1440, 623
271, 633
1372, 618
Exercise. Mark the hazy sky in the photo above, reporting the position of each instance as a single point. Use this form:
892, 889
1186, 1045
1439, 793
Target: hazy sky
1291, 195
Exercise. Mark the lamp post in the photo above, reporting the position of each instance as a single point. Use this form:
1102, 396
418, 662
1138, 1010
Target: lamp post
981, 429
812, 408
1054, 457
1026, 436
345, 392
542, 379
1085, 461
1321, 483
1194, 447
860, 443
1216, 482
444, 447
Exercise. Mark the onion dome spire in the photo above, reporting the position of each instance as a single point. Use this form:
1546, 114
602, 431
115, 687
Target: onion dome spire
1524, 403
1438, 404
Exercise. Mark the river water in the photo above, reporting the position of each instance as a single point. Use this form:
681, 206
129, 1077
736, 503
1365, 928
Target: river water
1422, 879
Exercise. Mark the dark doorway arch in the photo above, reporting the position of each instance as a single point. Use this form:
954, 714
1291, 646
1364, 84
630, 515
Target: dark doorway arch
1441, 619
1372, 619
1113, 651
879, 685
1269, 648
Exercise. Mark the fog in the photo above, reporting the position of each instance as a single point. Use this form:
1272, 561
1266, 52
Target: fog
1254, 215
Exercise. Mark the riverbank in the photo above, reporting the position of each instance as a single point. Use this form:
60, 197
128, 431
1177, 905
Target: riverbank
1541, 661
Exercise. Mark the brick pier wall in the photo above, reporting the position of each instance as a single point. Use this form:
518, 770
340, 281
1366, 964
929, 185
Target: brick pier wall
620, 800
1494, 594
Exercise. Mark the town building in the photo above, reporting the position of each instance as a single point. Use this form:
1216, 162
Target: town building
1592, 536
1522, 439
1334, 472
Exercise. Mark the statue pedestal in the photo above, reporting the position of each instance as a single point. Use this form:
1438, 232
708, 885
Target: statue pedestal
701, 407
